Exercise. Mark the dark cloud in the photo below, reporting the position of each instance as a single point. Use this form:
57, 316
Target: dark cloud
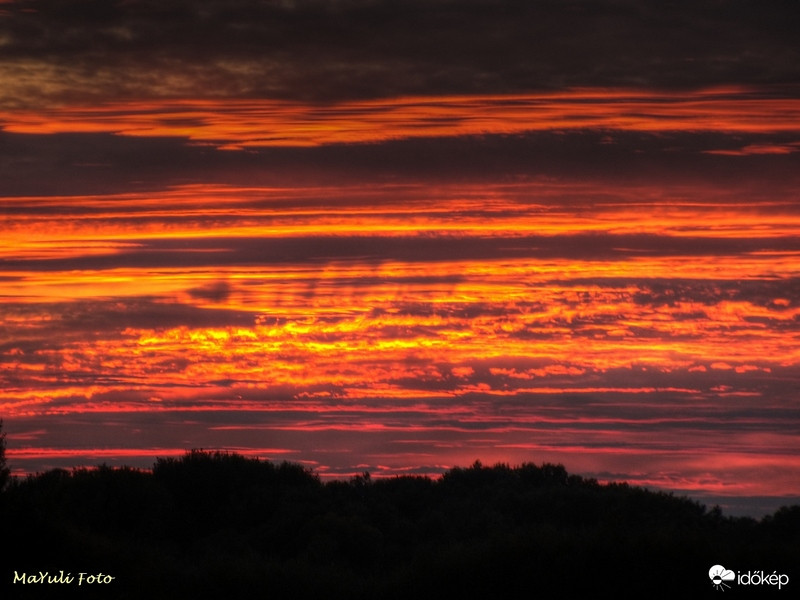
100, 319
121, 313
319, 250
97, 164
218, 291
778, 294
87, 50
102, 163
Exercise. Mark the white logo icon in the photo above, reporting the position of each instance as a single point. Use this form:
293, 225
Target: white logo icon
719, 575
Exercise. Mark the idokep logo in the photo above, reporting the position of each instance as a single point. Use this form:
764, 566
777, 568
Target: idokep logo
720, 575
720, 578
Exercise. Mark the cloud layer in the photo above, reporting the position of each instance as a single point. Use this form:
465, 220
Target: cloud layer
400, 236
71, 51
625, 336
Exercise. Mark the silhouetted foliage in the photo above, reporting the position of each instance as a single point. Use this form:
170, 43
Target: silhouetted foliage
216, 524
4, 470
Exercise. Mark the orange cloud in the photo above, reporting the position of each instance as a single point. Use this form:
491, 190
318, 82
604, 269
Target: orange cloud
756, 149
236, 124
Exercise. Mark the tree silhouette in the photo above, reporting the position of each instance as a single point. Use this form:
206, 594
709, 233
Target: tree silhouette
4, 470
217, 524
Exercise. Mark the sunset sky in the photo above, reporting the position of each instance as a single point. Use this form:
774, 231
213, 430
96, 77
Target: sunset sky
398, 236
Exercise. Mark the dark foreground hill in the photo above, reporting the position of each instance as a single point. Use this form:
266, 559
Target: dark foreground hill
218, 525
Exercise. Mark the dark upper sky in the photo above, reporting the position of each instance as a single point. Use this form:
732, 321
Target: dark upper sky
56, 55
79, 51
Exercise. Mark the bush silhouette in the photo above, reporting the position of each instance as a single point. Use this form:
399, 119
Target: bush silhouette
4, 470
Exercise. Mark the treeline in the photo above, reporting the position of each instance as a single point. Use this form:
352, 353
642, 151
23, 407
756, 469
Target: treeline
220, 525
